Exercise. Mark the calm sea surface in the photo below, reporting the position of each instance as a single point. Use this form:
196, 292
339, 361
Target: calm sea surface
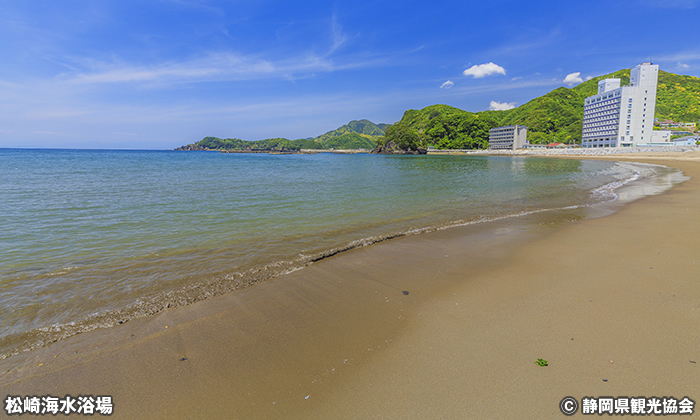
92, 238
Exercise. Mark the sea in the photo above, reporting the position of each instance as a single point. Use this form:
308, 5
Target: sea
94, 238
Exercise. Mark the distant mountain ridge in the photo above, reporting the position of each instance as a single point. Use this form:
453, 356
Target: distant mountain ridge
357, 134
554, 116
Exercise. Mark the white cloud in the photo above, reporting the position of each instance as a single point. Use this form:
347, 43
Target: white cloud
501, 106
573, 78
483, 70
683, 65
448, 84
589, 77
216, 66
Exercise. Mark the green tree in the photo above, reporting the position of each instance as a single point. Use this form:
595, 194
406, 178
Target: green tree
403, 136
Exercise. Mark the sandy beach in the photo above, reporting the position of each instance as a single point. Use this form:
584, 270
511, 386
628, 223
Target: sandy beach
612, 303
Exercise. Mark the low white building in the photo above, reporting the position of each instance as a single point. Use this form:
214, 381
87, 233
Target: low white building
659, 138
510, 137
622, 116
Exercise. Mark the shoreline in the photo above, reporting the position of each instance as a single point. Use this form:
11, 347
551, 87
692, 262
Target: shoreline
251, 275
414, 355
246, 276
579, 151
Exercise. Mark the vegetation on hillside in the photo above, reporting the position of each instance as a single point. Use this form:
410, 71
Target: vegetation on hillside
555, 116
558, 115
678, 98
442, 126
362, 134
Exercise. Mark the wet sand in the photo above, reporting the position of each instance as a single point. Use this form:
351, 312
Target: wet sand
612, 303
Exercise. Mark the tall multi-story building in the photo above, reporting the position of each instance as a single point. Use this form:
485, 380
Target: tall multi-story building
622, 116
510, 137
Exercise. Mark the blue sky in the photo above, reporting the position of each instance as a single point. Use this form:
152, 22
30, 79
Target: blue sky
161, 74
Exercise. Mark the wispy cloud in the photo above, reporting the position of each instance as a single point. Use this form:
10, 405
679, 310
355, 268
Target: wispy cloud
339, 37
682, 66
223, 66
212, 67
671, 4
498, 88
680, 56
199, 5
501, 106
573, 78
53, 133
482, 70
448, 84
526, 44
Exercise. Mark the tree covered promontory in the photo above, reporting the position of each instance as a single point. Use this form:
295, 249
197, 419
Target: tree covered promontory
362, 134
441, 126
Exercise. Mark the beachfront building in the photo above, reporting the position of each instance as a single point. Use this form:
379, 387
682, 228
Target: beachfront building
510, 137
622, 116
686, 141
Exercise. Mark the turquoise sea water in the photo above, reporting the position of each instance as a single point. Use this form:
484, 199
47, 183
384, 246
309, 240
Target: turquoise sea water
90, 239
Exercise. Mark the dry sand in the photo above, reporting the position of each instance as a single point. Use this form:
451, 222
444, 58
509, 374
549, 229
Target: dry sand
613, 304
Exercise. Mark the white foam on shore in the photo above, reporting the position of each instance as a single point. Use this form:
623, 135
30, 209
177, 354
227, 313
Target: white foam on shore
651, 179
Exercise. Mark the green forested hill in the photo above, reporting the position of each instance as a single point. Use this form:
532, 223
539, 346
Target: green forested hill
557, 115
362, 134
678, 98
442, 126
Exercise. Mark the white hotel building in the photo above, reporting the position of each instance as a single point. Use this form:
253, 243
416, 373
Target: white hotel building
511, 137
623, 116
